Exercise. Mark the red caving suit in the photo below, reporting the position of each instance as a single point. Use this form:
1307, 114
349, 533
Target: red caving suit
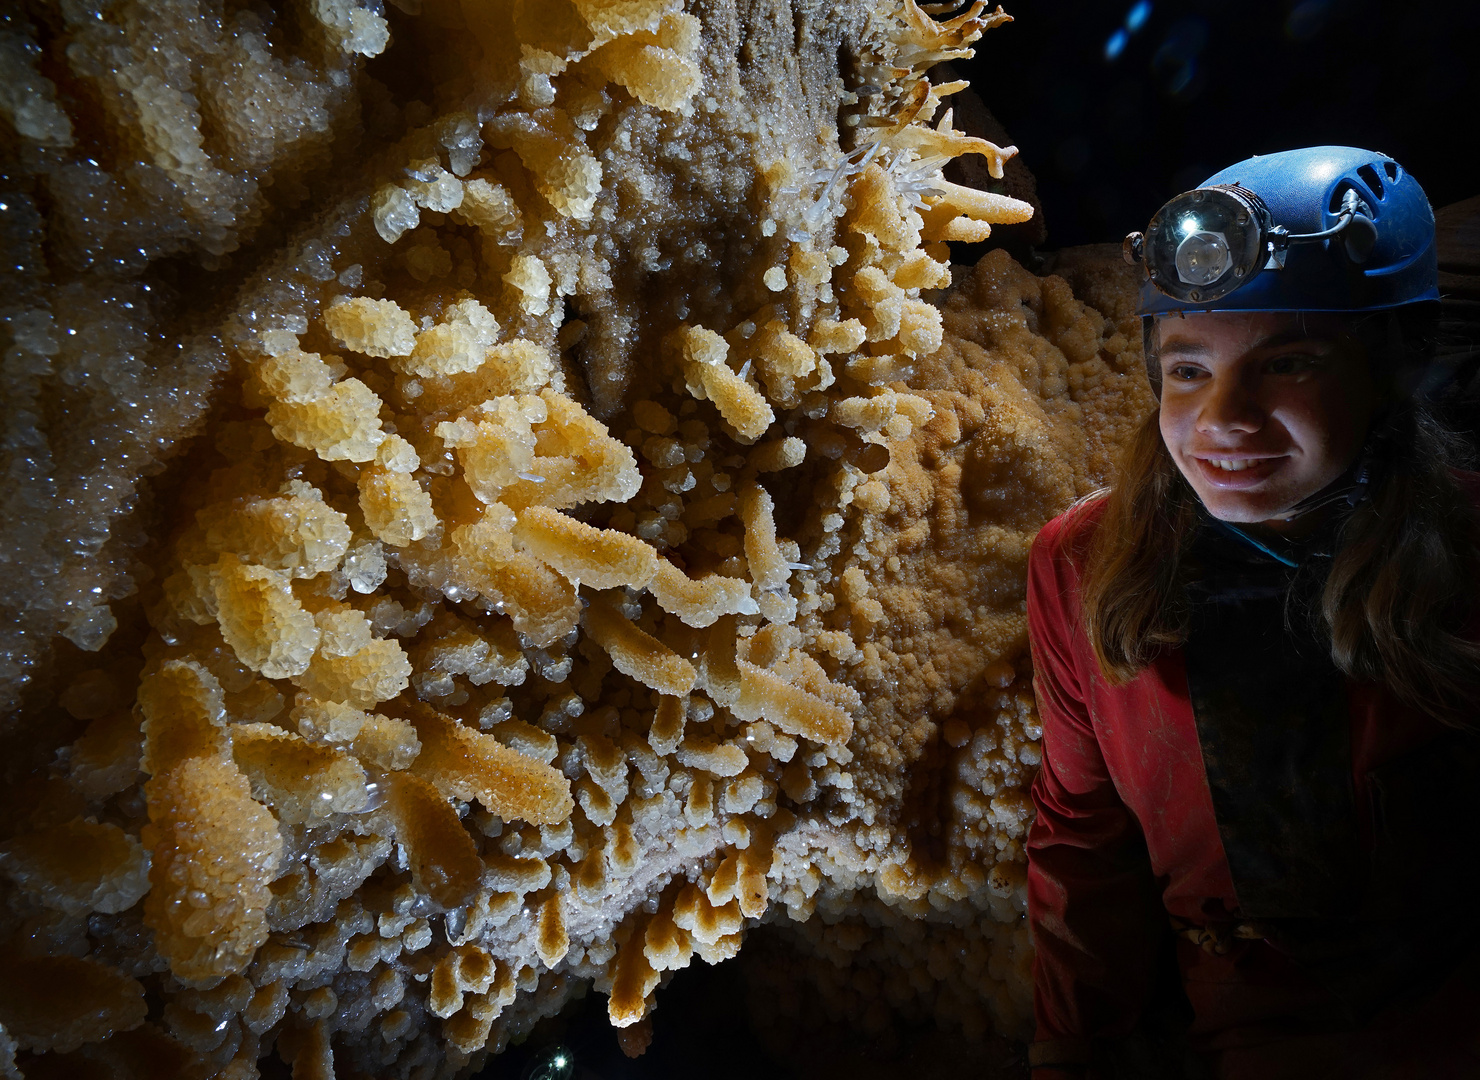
1367, 906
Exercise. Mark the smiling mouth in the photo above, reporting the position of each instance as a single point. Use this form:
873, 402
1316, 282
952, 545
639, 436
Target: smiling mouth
1234, 464
1234, 461
1238, 472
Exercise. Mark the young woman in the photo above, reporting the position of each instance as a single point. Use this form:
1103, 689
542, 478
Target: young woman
1257, 660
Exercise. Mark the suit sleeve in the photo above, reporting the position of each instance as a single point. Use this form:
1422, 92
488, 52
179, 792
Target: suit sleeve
1093, 906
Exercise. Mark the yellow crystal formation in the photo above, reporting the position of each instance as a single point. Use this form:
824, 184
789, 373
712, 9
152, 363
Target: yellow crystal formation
602, 540
162, 132
215, 849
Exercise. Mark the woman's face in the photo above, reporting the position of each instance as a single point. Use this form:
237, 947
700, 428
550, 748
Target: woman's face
1262, 409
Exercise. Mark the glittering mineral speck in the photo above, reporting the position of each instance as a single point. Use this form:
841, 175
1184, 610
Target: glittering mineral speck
551, 1063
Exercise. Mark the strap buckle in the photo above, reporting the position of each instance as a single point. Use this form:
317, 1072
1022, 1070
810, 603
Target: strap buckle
1218, 940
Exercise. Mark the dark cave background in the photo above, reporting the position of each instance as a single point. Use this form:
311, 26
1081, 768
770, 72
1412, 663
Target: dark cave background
1116, 106
1197, 85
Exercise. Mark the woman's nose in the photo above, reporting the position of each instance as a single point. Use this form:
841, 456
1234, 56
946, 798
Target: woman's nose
1230, 407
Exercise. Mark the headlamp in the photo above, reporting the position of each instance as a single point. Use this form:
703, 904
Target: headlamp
1207, 242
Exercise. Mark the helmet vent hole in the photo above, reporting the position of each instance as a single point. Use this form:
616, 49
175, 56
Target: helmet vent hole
1391, 168
1373, 180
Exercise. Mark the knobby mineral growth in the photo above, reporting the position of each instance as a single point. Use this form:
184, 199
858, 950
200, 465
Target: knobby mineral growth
585, 537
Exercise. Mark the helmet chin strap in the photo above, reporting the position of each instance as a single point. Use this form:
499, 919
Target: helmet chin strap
1346, 492
1352, 486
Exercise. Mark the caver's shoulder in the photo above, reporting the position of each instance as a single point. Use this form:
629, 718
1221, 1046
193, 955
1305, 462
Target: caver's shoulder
1066, 538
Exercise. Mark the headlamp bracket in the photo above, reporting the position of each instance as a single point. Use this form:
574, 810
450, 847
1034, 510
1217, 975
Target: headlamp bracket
1279, 248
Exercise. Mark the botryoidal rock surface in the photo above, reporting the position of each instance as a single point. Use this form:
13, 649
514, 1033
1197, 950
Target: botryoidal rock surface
591, 529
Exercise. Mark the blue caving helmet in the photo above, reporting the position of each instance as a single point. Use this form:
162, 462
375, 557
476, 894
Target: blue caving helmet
1326, 228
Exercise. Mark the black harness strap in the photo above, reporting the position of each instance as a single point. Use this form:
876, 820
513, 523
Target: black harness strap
1272, 720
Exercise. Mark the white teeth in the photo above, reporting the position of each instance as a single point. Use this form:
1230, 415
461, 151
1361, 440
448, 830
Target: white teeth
1232, 464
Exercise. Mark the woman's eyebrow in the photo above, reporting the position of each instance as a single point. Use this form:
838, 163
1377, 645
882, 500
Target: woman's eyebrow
1286, 337
1183, 348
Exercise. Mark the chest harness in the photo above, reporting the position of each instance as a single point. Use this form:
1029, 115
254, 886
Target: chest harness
1273, 721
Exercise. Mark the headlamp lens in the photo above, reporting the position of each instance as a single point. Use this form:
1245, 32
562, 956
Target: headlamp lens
1205, 243
1203, 257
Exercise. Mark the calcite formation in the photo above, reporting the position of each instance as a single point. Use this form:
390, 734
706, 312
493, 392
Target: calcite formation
590, 529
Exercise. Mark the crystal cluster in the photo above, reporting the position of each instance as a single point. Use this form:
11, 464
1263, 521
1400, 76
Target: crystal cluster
599, 532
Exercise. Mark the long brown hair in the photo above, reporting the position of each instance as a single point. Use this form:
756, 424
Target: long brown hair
1401, 591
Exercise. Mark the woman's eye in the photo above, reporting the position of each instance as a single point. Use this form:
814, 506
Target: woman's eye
1291, 365
1184, 372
